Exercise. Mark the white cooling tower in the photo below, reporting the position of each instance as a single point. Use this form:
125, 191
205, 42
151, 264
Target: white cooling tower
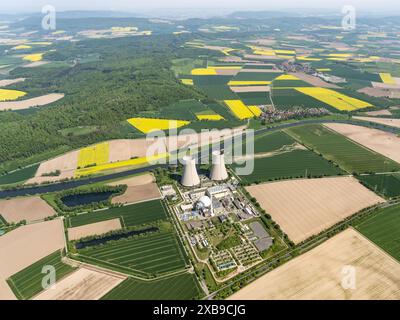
218, 170
190, 177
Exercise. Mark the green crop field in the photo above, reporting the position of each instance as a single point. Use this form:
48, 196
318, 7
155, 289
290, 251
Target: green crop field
386, 184
265, 143
146, 256
384, 230
298, 163
19, 175
28, 282
272, 141
180, 287
132, 215
183, 110
254, 98
349, 155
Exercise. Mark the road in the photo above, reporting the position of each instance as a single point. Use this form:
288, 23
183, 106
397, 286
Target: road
42, 189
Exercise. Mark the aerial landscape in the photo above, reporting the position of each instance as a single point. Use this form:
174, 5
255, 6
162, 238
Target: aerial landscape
235, 154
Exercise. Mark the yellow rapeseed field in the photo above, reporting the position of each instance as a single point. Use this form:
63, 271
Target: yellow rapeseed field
264, 52
210, 117
204, 72
147, 125
188, 82
120, 164
287, 77
387, 78
94, 155
333, 98
286, 52
256, 110
34, 57
248, 83
22, 47
302, 58
7, 95
212, 70
239, 109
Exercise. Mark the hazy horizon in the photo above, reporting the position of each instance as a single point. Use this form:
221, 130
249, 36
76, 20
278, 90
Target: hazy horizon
130, 6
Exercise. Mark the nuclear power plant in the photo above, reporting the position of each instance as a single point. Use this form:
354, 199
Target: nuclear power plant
190, 178
218, 170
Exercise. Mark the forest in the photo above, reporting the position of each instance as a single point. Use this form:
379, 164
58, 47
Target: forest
105, 81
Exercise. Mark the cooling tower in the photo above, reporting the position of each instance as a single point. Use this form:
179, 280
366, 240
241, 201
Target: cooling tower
218, 170
190, 177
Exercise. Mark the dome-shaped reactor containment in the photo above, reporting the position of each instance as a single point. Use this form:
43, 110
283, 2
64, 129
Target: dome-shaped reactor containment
218, 170
204, 202
190, 177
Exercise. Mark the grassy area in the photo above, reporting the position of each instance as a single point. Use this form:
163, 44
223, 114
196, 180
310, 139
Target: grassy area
185, 65
349, 155
19, 176
78, 131
385, 184
132, 215
294, 164
180, 287
28, 282
384, 230
146, 256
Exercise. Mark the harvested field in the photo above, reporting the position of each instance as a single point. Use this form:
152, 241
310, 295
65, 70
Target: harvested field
385, 143
138, 193
27, 208
385, 121
135, 181
318, 274
384, 112
304, 208
84, 284
315, 81
33, 102
7, 82
35, 64
26, 245
66, 163
251, 89
97, 228
386, 86
375, 92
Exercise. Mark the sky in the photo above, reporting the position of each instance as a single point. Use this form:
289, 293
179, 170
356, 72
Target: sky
15, 6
